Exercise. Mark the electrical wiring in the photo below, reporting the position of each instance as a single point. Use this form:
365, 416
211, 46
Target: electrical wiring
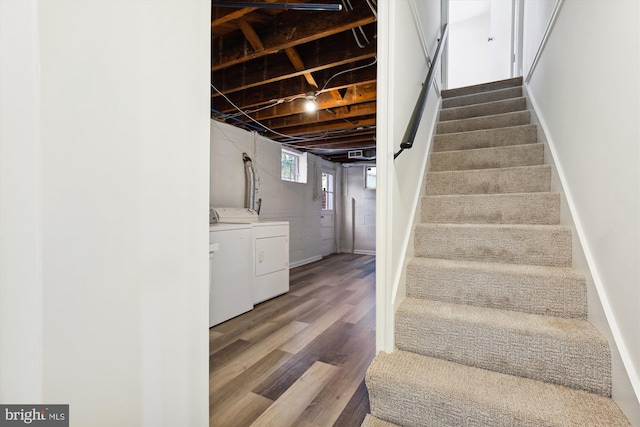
347, 71
254, 120
280, 101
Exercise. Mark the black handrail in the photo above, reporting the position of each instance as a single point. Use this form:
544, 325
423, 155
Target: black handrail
416, 116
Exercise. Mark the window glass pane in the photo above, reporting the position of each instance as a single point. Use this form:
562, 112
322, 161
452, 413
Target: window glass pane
327, 191
370, 177
289, 166
293, 165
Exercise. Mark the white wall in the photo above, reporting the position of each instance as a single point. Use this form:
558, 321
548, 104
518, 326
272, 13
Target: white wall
402, 68
104, 198
359, 224
586, 91
298, 203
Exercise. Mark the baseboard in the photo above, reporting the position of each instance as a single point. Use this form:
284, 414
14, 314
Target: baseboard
304, 261
357, 252
364, 252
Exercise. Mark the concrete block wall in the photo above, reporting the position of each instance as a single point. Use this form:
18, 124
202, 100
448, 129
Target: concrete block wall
359, 213
298, 203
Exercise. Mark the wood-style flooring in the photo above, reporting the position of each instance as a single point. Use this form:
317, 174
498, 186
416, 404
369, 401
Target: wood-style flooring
299, 359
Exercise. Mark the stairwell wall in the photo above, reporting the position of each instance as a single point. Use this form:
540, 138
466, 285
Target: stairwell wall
406, 30
103, 200
584, 86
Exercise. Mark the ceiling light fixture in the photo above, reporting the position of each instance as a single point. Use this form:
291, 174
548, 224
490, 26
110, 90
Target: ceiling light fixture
311, 104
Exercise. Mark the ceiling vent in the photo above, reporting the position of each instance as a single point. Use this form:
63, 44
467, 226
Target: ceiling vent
362, 154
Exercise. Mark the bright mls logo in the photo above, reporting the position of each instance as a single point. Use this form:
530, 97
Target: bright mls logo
35, 415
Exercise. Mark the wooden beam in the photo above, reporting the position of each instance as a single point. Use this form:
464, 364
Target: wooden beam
251, 35
320, 116
297, 63
294, 28
302, 131
268, 93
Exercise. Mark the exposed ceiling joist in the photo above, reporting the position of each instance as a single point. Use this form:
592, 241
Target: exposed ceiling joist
266, 61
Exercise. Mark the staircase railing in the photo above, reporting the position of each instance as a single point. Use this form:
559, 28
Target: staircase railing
416, 116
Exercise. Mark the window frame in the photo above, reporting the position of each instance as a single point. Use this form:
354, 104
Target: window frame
367, 184
299, 173
328, 204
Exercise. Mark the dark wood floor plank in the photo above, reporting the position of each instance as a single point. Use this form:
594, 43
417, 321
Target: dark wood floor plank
357, 408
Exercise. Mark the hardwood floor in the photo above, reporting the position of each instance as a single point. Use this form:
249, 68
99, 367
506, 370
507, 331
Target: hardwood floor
299, 359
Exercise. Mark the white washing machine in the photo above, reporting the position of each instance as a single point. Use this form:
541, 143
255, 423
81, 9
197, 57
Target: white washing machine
271, 259
270, 255
230, 271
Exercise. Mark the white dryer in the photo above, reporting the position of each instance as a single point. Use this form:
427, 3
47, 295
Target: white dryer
271, 259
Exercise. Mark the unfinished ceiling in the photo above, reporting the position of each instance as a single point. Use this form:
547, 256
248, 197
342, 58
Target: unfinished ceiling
268, 59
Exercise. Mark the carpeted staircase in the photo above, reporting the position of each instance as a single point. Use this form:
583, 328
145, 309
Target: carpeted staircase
493, 331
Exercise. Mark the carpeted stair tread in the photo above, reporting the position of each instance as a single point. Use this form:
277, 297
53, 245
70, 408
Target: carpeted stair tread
483, 109
483, 97
483, 87
416, 391
487, 158
521, 179
548, 245
544, 348
484, 138
551, 291
371, 421
487, 122
509, 208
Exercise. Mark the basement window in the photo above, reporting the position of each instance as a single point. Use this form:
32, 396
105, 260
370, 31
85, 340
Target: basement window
293, 166
327, 192
370, 177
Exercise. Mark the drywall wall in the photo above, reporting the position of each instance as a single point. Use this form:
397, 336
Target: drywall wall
298, 203
402, 69
20, 210
359, 212
586, 93
112, 273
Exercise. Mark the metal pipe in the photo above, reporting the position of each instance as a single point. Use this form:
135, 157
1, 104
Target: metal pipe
285, 6
238, 120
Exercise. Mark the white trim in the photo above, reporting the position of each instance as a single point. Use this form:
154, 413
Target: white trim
384, 162
545, 37
627, 361
423, 39
304, 261
364, 252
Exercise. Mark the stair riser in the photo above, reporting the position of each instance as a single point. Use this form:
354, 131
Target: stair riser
500, 137
481, 98
490, 122
490, 181
552, 350
518, 208
486, 109
533, 245
485, 87
487, 158
527, 289
417, 391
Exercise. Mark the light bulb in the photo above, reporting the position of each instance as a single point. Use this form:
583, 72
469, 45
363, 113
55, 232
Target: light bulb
310, 105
